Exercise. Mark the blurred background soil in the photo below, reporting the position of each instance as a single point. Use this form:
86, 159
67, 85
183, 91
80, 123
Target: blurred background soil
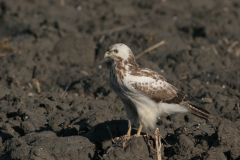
55, 102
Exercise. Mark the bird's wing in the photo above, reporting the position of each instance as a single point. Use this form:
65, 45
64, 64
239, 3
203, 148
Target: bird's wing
157, 88
153, 85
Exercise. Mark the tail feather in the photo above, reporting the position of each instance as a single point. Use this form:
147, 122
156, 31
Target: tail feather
197, 110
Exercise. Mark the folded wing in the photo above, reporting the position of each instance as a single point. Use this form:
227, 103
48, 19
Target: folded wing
160, 90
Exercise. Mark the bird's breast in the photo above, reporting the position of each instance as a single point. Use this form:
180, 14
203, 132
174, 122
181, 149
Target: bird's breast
117, 82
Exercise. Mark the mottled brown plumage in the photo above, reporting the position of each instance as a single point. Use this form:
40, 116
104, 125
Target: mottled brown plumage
145, 94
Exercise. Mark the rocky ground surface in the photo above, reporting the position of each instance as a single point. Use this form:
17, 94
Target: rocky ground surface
55, 102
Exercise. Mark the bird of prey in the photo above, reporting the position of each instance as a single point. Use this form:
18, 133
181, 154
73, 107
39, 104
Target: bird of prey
145, 94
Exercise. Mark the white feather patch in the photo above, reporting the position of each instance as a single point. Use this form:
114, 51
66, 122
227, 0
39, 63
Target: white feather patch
170, 108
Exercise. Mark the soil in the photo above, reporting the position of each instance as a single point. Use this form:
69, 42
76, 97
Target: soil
55, 102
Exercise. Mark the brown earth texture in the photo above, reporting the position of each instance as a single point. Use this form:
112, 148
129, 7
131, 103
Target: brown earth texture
55, 102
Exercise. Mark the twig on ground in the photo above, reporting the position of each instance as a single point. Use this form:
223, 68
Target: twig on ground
158, 144
230, 48
84, 72
64, 92
214, 50
148, 140
151, 148
124, 141
150, 49
110, 134
37, 84
225, 40
30, 85
65, 95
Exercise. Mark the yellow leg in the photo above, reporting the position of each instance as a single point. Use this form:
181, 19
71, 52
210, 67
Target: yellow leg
139, 131
129, 130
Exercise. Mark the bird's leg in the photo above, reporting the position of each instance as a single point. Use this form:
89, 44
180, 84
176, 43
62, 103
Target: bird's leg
128, 135
139, 131
129, 130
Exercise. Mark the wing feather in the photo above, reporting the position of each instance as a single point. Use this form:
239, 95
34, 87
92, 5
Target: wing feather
159, 89
153, 85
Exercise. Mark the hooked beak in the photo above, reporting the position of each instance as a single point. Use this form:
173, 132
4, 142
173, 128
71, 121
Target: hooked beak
106, 54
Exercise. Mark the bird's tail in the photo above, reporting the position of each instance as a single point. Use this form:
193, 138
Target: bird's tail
197, 110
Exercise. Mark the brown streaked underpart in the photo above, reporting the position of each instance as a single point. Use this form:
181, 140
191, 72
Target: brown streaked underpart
119, 68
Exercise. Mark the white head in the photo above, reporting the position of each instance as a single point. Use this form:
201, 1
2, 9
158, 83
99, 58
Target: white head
118, 51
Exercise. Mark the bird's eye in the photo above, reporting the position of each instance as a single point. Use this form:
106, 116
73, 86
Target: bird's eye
115, 51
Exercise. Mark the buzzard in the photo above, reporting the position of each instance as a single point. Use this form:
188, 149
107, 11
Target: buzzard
145, 94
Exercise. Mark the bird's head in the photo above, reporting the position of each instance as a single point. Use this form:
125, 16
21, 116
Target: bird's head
118, 51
